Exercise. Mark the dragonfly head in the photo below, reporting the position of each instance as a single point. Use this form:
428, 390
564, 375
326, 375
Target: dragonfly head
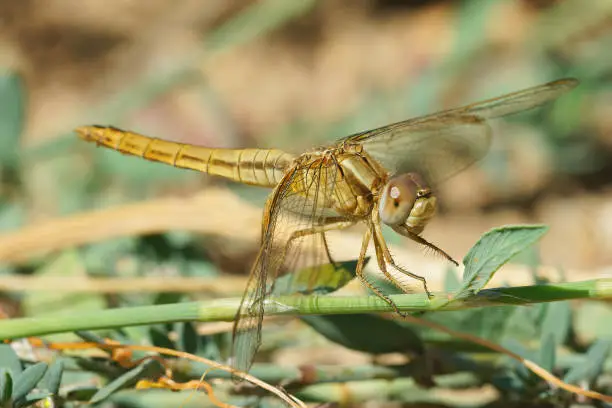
407, 199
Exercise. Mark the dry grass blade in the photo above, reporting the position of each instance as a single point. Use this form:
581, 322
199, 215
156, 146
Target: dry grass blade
289, 399
148, 217
221, 285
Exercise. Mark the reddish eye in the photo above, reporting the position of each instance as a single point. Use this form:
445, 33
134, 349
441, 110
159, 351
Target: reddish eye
398, 198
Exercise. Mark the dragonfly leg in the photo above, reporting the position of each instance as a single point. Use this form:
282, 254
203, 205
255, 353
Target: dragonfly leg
361, 276
327, 251
404, 231
318, 229
384, 255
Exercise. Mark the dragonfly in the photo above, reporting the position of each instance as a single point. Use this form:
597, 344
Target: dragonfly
384, 176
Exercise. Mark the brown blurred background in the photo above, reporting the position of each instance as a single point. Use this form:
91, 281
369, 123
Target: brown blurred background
295, 74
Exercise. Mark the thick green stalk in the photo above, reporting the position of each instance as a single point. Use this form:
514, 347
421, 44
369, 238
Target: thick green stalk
225, 309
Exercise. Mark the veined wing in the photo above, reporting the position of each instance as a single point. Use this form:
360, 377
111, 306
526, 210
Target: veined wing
298, 203
444, 143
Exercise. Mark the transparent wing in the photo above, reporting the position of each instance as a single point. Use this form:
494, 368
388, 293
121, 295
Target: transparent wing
300, 202
444, 143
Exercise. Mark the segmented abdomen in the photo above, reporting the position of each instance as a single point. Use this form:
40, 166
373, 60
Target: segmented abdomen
261, 167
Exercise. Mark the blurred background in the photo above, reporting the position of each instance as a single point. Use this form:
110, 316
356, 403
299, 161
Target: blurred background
290, 75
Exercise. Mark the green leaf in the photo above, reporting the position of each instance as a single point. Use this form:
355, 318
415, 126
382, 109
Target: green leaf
366, 332
148, 369
9, 360
188, 337
493, 250
160, 338
6, 386
593, 366
34, 397
28, 380
524, 324
557, 321
12, 104
89, 336
53, 378
488, 322
328, 278
588, 318
451, 280
83, 393
548, 352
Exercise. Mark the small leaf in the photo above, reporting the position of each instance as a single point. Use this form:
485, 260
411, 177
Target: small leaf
489, 322
160, 338
493, 250
28, 380
82, 393
368, 333
12, 104
328, 279
53, 378
35, 397
188, 337
9, 360
593, 366
557, 321
89, 336
148, 369
548, 352
451, 280
6, 386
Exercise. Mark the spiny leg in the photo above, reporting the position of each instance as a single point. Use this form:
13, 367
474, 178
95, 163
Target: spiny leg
327, 251
318, 229
381, 245
361, 276
403, 230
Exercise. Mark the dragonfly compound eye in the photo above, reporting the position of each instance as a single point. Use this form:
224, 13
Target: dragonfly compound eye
398, 198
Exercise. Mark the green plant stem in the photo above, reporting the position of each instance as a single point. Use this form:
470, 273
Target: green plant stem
225, 309
275, 374
401, 389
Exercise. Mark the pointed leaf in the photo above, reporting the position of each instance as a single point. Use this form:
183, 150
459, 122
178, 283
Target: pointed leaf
148, 369
81, 393
160, 338
9, 360
28, 380
451, 280
329, 279
6, 386
90, 337
557, 321
493, 250
35, 397
366, 332
53, 378
548, 352
188, 337
593, 366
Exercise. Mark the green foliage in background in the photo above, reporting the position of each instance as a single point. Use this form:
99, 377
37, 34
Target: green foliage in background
536, 332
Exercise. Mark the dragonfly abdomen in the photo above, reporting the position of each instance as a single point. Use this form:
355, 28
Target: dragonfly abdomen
261, 167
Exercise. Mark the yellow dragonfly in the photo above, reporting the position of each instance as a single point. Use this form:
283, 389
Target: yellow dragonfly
380, 176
